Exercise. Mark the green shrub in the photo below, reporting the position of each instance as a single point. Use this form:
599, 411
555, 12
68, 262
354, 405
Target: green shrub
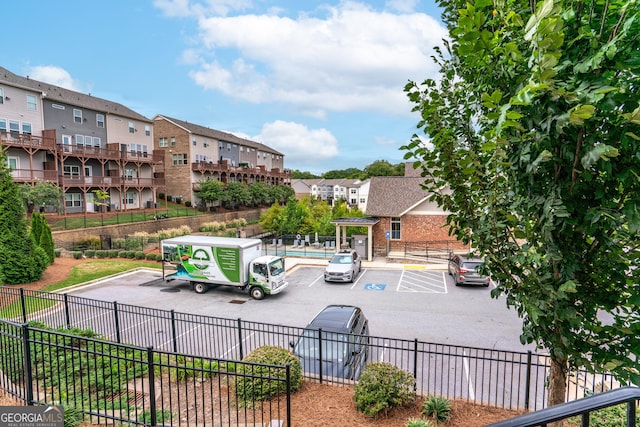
57, 252
76, 254
612, 416
383, 386
114, 253
73, 416
150, 257
161, 196
90, 253
437, 408
138, 255
89, 242
102, 254
417, 422
249, 387
187, 203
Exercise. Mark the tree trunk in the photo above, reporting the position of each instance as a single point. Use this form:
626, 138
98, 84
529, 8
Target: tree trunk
557, 384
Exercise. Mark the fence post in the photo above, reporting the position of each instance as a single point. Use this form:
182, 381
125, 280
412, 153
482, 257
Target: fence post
320, 354
240, 346
23, 306
67, 314
288, 372
173, 331
116, 319
152, 387
28, 373
528, 382
415, 359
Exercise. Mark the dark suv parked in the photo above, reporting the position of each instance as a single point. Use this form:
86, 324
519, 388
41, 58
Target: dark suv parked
465, 271
343, 350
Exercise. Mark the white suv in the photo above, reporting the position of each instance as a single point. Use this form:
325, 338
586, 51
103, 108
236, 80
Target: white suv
344, 266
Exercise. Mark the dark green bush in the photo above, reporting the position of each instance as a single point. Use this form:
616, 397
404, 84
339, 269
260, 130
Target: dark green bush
57, 252
102, 254
187, 203
249, 387
437, 408
76, 254
151, 257
89, 242
114, 253
138, 255
383, 386
90, 253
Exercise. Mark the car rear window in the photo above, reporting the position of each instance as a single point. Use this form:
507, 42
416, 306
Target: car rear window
471, 265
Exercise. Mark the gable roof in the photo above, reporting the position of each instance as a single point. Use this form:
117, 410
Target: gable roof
394, 195
59, 94
216, 134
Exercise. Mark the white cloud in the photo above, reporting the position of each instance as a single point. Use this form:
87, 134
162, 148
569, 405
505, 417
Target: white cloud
351, 59
56, 76
301, 145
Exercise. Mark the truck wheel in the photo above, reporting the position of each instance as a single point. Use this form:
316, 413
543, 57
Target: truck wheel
257, 292
200, 288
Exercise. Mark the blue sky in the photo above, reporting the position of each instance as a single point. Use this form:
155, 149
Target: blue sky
320, 81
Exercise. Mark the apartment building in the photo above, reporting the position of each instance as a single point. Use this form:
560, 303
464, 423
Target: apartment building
353, 191
80, 143
195, 153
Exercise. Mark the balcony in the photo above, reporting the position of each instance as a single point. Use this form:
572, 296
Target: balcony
34, 175
11, 139
88, 152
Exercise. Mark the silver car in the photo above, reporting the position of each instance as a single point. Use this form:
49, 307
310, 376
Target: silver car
344, 266
465, 271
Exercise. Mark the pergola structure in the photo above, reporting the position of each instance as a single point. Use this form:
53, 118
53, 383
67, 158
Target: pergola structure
341, 231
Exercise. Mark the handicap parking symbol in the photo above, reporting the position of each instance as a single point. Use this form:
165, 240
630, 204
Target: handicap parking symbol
374, 287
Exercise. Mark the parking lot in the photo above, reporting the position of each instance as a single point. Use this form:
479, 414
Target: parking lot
410, 302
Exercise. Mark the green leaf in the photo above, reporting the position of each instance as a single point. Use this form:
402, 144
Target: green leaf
580, 113
634, 116
569, 287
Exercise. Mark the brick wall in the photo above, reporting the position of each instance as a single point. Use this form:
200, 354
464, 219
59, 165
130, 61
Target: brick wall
178, 177
414, 228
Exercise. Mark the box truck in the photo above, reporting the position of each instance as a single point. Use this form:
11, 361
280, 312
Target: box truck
206, 261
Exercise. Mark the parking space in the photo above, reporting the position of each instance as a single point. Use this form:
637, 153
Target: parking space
404, 303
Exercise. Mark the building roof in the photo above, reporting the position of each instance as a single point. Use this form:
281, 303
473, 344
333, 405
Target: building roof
394, 195
217, 135
59, 94
342, 182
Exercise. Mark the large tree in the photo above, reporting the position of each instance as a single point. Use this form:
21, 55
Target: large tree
532, 143
21, 259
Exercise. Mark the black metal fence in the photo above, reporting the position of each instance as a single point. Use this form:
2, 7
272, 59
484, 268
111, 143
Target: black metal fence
505, 379
112, 382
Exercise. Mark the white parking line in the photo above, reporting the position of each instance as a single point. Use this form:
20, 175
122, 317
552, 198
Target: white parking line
465, 363
222, 356
317, 280
355, 282
188, 331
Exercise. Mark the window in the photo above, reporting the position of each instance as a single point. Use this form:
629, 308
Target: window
163, 142
58, 106
100, 120
132, 129
13, 163
362, 200
3, 125
73, 200
395, 228
193, 141
97, 142
353, 191
173, 141
14, 126
31, 103
77, 115
128, 199
26, 128
129, 173
1, 96
147, 130
80, 140
71, 170
179, 159
66, 139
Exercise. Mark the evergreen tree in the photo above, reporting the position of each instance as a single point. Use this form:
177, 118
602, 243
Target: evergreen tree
21, 259
36, 226
46, 240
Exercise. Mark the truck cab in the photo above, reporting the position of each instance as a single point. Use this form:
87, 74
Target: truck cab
267, 276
